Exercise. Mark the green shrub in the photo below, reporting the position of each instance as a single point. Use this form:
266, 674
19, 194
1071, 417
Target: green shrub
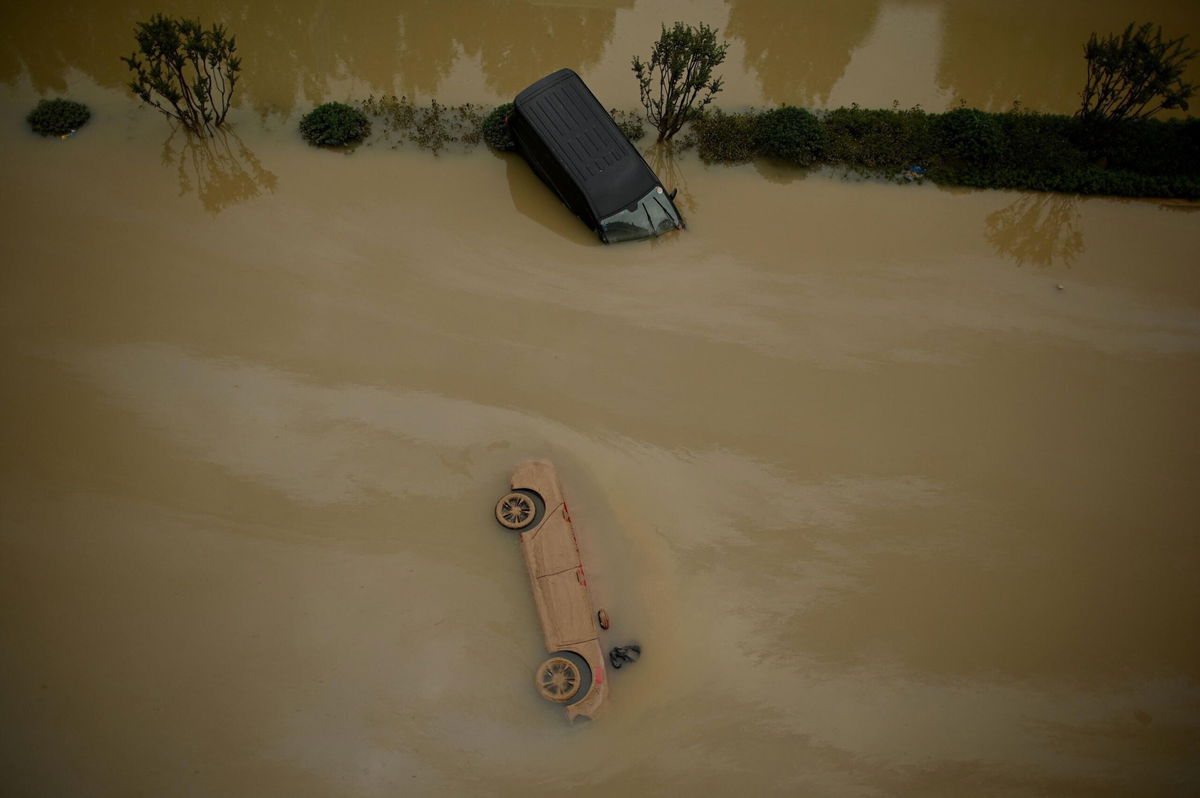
334, 125
1147, 146
58, 117
790, 134
969, 136
1051, 152
1041, 143
966, 147
495, 129
722, 137
878, 139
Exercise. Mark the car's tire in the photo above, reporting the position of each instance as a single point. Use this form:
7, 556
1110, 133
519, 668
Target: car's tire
520, 509
564, 678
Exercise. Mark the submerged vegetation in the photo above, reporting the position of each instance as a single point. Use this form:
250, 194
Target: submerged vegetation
432, 127
58, 117
437, 128
1016, 149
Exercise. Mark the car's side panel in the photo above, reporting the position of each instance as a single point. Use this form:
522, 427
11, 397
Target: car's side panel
551, 547
566, 609
547, 167
559, 584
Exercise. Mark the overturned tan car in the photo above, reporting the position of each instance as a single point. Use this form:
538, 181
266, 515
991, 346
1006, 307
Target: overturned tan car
573, 675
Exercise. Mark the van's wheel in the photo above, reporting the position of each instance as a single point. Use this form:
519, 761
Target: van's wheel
519, 509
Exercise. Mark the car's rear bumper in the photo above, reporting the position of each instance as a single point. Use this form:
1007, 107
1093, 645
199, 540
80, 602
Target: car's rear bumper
594, 701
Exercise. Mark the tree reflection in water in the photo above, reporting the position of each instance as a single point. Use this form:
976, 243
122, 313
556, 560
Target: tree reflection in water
663, 159
221, 170
305, 46
799, 49
1041, 229
993, 55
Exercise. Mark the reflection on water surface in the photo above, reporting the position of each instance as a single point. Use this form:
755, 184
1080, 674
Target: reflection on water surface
870, 51
406, 48
221, 169
799, 50
1037, 228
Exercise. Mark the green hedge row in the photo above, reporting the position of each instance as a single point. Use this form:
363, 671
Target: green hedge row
967, 147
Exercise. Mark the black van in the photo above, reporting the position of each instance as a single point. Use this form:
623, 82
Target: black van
575, 147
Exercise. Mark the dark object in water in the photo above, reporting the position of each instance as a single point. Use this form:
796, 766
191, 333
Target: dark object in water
577, 150
619, 655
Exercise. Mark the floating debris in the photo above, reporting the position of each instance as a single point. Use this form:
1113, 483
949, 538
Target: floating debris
619, 655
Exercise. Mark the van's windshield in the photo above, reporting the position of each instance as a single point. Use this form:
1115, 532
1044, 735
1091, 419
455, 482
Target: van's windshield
652, 215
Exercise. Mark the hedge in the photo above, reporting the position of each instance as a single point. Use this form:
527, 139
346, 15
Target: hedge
968, 147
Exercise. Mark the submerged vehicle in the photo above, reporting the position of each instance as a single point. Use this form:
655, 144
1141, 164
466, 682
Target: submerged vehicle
573, 675
577, 150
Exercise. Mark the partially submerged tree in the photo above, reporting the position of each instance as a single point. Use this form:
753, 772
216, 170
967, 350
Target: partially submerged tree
1135, 75
681, 64
184, 71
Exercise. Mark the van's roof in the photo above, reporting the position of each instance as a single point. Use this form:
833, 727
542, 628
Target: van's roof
583, 138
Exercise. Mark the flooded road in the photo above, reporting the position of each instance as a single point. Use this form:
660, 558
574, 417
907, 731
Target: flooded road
890, 511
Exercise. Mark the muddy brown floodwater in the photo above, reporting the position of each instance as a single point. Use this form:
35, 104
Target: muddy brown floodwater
895, 485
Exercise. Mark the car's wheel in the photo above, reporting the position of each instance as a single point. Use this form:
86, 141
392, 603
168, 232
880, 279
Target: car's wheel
519, 509
564, 678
